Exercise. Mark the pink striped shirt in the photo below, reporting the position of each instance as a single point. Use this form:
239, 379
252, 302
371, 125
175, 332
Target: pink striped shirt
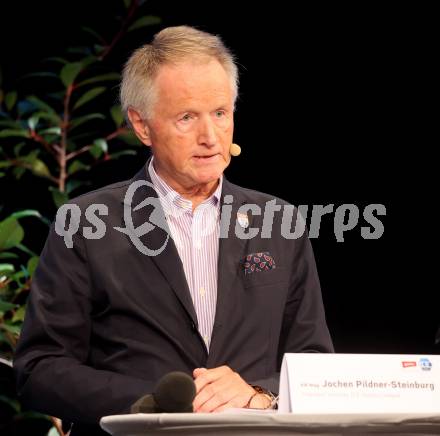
196, 236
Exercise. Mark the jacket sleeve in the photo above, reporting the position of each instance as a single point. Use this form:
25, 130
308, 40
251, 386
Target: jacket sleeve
50, 363
304, 328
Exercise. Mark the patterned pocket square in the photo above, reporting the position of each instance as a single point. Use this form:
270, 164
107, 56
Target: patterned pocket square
257, 262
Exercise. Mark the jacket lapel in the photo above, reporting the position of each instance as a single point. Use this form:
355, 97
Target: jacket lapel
166, 259
231, 250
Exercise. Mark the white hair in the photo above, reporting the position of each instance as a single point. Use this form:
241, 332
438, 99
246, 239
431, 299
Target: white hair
170, 45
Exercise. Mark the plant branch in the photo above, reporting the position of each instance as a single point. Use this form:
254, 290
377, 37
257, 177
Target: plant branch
50, 148
78, 152
116, 133
86, 148
62, 154
133, 7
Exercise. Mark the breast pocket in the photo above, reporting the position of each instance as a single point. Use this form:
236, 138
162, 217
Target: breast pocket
270, 277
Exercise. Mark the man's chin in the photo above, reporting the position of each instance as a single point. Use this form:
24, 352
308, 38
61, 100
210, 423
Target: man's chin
206, 179
209, 175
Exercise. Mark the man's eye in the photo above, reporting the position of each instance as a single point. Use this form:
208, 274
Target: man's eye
219, 114
186, 117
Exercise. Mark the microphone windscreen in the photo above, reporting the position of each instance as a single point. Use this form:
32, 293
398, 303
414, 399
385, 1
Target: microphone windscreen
234, 150
175, 392
145, 404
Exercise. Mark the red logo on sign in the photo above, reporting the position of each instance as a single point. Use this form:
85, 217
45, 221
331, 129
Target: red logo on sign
408, 364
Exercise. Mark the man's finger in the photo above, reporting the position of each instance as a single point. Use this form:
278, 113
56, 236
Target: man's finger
209, 376
212, 396
234, 403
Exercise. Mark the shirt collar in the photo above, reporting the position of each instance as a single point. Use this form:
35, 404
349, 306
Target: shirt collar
171, 198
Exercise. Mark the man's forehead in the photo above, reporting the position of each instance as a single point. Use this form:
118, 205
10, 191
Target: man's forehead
194, 81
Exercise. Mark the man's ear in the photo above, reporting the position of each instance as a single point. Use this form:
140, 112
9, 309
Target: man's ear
139, 126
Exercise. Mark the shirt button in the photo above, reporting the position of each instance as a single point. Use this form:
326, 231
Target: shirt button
205, 338
202, 291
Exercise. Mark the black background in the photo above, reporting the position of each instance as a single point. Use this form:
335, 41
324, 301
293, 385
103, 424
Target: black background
326, 113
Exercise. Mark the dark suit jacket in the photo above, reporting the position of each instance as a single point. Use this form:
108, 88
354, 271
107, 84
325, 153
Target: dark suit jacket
104, 322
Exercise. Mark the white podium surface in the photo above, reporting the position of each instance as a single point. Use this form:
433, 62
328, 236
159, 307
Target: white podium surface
269, 423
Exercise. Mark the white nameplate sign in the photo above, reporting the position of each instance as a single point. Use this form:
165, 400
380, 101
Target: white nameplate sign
359, 383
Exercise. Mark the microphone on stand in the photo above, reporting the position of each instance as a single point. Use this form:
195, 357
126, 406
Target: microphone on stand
174, 393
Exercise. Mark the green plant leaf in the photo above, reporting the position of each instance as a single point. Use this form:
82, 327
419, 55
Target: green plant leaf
88, 60
10, 100
76, 166
69, 72
99, 146
26, 213
39, 168
89, 95
10, 123
6, 268
59, 198
40, 74
19, 275
122, 153
5, 306
11, 402
81, 120
19, 314
32, 265
8, 133
18, 172
8, 255
73, 184
25, 107
51, 116
93, 33
101, 78
98, 48
5, 164
57, 95
147, 20
51, 131
4, 339
83, 50
11, 233
129, 138
40, 104
117, 115
14, 329
18, 148
33, 121
26, 250
56, 59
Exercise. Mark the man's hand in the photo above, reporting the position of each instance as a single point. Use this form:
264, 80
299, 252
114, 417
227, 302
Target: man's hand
219, 389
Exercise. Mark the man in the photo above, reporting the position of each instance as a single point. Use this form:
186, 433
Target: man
105, 320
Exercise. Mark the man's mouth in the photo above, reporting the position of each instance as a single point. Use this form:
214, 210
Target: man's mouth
207, 158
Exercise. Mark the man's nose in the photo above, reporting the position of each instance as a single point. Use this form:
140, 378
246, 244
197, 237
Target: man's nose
207, 133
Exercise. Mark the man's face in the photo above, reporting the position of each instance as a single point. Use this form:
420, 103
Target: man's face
192, 123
